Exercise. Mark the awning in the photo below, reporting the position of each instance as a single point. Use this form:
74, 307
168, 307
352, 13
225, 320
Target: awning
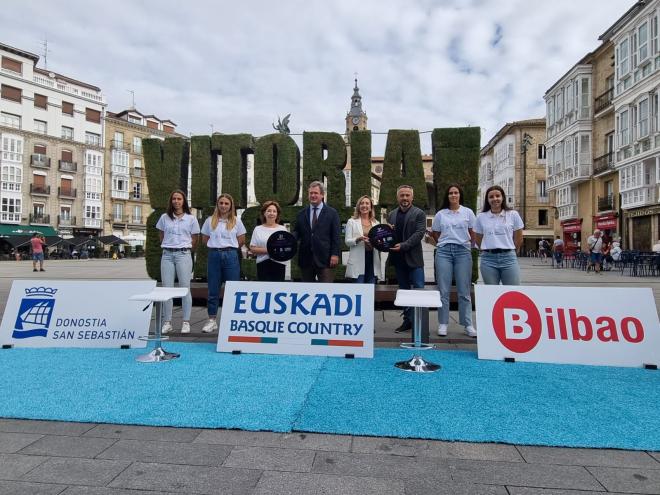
606, 222
10, 230
112, 239
79, 241
539, 233
16, 240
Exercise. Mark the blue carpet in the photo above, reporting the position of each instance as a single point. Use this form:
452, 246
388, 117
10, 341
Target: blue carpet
468, 400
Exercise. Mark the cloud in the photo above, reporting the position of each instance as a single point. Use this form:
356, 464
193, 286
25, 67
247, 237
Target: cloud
421, 64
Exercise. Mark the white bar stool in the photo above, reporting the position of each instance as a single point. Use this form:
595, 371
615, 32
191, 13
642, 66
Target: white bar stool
158, 296
417, 299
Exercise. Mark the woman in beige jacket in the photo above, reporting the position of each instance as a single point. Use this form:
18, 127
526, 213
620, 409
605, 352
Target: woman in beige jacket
364, 264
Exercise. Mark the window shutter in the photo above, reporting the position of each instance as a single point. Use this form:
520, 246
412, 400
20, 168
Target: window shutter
40, 101
93, 115
67, 156
67, 108
40, 149
12, 65
11, 93
152, 125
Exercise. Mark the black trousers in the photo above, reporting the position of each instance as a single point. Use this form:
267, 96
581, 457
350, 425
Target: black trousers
270, 271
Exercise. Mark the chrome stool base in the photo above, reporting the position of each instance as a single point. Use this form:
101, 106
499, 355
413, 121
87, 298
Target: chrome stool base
156, 355
418, 365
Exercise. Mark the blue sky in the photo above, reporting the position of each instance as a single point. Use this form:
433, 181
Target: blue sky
421, 64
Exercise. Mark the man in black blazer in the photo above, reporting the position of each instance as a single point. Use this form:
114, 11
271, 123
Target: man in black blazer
406, 255
317, 230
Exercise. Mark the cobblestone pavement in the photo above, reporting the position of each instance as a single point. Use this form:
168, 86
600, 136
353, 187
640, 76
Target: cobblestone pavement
50, 457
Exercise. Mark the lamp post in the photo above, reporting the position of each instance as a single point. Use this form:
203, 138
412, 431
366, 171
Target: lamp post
525, 143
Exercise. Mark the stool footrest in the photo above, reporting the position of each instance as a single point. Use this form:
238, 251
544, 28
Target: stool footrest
413, 346
152, 339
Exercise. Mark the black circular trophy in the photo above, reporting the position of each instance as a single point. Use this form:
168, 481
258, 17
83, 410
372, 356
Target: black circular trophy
281, 246
381, 237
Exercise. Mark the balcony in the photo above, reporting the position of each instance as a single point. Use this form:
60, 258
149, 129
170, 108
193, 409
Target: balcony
92, 223
604, 163
119, 219
140, 197
567, 212
574, 174
38, 160
39, 190
135, 220
39, 219
603, 101
119, 145
67, 192
65, 221
640, 196
68, 166
606, 203
117, 194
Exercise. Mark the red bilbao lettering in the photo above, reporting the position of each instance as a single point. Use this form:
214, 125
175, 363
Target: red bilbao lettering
517, 322
519, 326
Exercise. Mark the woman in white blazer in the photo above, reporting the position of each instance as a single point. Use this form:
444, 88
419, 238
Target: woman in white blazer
363, 260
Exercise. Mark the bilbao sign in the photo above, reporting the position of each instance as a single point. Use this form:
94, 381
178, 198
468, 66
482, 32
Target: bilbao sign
297, 318
597, 326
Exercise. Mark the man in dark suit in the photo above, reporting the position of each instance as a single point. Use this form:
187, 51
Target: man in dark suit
409, 223
317, 230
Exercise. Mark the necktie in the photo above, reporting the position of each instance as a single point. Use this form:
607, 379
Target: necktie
314, 216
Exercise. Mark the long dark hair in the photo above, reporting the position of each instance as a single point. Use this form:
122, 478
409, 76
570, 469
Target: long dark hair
445, 199
170, 208
505, 205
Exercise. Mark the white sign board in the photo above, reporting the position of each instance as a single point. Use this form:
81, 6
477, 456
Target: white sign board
593, 325
75, 313
297, 318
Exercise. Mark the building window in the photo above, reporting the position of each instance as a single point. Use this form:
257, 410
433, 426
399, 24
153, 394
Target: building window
541, 152
65, 213
67, 108
543, 217
622, 57
10, 120
643, 113
118, 212
92, 139
135, 120
624, 135
152, 124
137, 145
137, 214
120, 184
11, 93
137, 190
67, 133
92, 211
40, 127
40, 101
12, 65
92, 115
170, 130
11, 209
643, 42
12, 149
541, 190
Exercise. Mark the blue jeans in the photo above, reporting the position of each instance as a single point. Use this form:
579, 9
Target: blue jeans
221, 266
454, 261
177, 263
499, 268
409, 278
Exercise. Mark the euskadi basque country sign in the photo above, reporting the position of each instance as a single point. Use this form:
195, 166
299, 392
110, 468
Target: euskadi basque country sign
599, 326
298, 318
75, 313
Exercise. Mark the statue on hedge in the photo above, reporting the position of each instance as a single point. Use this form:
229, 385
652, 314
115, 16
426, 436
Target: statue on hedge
283, 124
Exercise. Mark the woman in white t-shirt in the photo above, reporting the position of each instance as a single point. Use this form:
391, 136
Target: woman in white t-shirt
499, 234
452, 230
179, 233
224, 235
268, 270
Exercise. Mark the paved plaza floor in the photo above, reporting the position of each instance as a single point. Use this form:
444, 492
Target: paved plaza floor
48, 457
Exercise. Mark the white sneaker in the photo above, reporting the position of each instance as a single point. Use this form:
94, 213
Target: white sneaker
185, 327
470, 331
442, 329
166, 328
209, 326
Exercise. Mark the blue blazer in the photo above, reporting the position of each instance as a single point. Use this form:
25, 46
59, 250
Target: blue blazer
317, 245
